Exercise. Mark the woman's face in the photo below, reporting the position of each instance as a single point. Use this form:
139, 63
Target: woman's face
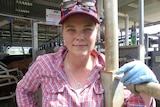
80, 34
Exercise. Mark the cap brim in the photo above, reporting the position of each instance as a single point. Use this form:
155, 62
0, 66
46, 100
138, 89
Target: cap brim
78, 12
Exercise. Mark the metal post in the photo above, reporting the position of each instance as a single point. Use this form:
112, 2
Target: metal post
113, 88
100, 9
11, 32
141, 21
158, 44
126, 30
38, 95
111, 34
35, 40
141, 29
146, 48
126, 26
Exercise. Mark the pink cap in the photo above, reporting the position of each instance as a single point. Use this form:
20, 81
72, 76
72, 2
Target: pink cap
78, 9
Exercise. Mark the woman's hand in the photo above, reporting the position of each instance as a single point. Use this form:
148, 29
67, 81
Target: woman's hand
136, 72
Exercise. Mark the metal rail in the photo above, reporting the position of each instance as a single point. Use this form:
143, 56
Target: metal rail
5, 84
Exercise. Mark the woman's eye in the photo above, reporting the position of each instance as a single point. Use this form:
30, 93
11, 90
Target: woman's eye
88, 30
71, 30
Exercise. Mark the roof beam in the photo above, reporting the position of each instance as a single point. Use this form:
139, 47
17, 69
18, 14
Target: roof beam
47, 3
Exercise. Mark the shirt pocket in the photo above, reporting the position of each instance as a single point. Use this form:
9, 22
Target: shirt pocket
53, 86
95, 95
53, 94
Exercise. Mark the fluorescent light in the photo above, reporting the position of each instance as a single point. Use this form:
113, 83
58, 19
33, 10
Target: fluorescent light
23, 6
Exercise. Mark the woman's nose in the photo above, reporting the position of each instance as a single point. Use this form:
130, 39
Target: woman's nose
80, 35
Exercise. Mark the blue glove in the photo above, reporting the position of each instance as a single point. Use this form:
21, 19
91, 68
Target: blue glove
136, 72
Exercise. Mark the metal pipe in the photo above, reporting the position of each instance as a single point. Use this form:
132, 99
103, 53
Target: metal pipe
122, 15
127, 30
158, 44
126, 26
7, 84
4, 22
141, 21
113, 89
111, 34
35, 40
151, 89
11, 32
16, 16
100, 9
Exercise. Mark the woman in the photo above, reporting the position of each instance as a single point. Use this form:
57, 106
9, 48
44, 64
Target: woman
71, 76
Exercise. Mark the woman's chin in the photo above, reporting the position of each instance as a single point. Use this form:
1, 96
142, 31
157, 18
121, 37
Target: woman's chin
82, 54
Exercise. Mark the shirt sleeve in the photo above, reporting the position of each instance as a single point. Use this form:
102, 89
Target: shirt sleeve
135, 100
28, 86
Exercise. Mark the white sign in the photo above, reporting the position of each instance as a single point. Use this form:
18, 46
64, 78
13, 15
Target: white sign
53, 16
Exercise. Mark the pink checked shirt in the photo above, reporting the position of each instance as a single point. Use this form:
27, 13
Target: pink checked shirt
48, 74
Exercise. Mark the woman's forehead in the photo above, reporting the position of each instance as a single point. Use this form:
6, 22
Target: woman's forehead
79, 18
